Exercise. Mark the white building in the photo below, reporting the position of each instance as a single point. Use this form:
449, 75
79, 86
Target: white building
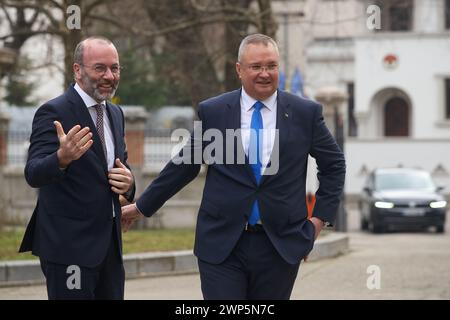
397, 79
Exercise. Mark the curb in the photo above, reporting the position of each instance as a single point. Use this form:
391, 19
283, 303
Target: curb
333, 245
153, 264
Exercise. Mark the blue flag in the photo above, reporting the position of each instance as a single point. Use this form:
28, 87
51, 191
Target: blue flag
297, 83
282, 81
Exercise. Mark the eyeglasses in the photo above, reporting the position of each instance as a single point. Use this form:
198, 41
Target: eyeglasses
101, 68
257, 68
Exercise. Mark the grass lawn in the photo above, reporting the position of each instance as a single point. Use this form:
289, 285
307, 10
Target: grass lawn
133, 241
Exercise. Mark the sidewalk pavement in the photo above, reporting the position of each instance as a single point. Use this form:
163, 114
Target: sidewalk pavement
28, 272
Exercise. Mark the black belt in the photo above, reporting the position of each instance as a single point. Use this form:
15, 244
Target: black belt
255, 228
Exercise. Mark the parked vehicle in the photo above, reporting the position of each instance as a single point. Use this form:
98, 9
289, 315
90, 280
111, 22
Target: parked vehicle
399, 198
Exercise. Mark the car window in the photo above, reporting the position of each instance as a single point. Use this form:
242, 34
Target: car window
371, 183
403, 180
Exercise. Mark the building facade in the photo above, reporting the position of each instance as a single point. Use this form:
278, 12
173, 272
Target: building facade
396, 76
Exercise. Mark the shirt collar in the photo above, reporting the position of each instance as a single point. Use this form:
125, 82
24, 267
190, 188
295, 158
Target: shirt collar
87, 99
248, 101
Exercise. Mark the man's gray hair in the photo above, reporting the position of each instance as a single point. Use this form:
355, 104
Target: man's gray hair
256, 38
79, 50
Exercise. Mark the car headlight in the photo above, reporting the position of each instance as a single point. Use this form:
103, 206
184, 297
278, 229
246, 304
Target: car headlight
384, 205
438, 204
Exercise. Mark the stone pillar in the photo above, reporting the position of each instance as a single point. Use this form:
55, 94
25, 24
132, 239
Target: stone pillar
333, 102
4, 127
7, 58
135, 119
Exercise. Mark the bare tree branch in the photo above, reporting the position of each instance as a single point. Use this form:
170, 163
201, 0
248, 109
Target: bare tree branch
176, 27
33, 18
41, 8
57, 5
196, 23
222, 9
114, 22
31, 33
267, 23
8, 17
87, 9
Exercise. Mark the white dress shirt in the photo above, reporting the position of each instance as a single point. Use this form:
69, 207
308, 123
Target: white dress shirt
109, 140
269, 117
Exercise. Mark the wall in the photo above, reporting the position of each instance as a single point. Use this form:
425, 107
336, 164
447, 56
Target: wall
422, 65
19, 199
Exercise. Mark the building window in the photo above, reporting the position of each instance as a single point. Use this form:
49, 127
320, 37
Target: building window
396, 15
396, 118
447, 99
447, 14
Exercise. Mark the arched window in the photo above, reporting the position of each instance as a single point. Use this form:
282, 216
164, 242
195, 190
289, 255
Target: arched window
396, 118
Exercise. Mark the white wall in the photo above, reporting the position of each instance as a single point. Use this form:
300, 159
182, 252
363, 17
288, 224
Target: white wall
423, 64
329, 63
428, 15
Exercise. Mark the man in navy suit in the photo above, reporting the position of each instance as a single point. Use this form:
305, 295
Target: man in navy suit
252, 229
77, 159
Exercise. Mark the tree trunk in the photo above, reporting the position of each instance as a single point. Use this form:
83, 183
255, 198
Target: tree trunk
267, 22
192, 65
234, 33
70, 39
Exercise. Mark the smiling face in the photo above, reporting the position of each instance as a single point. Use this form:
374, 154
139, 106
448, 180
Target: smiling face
100, 84
258, 70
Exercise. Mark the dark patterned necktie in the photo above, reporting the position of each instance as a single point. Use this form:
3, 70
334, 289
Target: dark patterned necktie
99, 126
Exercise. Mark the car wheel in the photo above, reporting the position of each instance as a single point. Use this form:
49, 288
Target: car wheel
378, 229
375, 228
440, 229
364, 224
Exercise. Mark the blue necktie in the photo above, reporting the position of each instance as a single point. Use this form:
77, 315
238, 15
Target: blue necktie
254, 152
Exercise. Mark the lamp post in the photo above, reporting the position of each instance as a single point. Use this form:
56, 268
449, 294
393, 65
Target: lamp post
285, 15
333, 102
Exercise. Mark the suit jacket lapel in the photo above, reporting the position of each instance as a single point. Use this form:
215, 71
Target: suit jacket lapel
283, 125
84, 118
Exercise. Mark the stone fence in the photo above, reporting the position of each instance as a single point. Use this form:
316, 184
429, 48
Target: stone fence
17, 198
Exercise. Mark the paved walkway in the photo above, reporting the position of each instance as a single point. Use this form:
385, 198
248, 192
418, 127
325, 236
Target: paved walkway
412, 266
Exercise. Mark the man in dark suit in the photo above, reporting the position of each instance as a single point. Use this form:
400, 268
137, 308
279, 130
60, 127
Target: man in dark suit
75, 228
252, 229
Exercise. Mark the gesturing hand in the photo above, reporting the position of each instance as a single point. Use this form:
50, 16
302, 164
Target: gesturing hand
73, 144
318, 225
120, 178
130, 214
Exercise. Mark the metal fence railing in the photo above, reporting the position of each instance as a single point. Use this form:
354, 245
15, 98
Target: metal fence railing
158, 146
157, 149
18, 143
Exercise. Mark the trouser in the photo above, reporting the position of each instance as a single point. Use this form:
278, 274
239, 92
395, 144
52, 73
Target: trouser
104, 282
254, 271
